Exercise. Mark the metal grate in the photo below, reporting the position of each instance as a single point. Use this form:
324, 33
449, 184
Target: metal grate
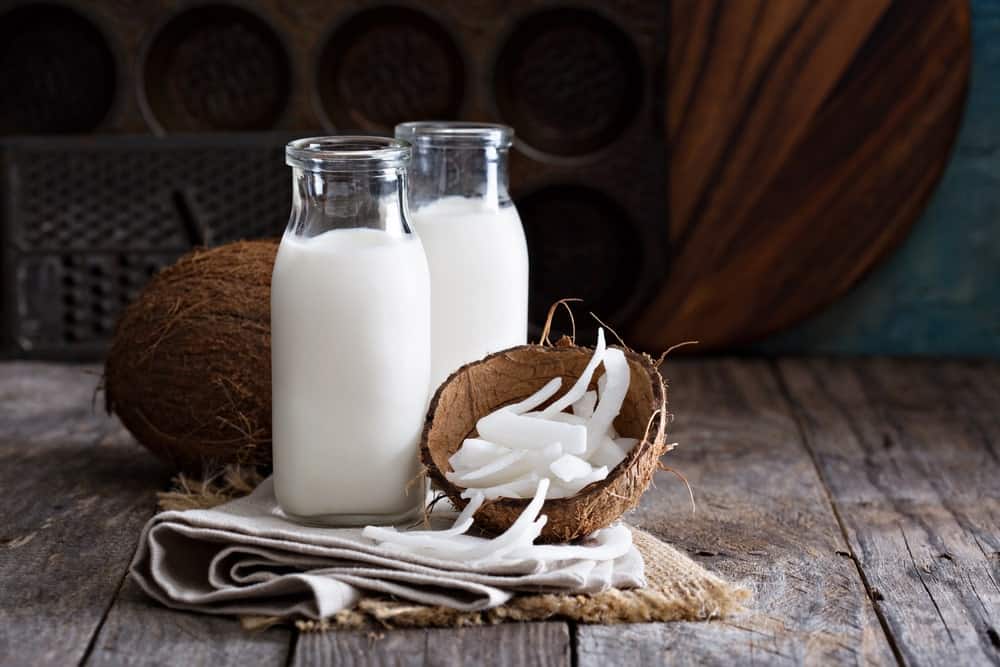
86, 222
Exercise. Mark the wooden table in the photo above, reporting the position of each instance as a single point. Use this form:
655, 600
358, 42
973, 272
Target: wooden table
859, 500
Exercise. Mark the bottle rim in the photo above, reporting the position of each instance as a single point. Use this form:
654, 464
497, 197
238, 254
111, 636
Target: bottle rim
347, 153
455, 133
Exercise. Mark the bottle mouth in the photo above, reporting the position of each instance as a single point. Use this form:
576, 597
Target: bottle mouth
347, 153
455, 133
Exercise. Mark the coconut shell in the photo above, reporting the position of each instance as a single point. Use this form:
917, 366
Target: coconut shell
189, 368
506, 377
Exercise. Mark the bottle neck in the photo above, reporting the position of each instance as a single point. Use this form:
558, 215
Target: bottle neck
441, 170
324, 201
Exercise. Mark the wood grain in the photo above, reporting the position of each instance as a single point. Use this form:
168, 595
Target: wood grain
804, 140
909, 452
76, 492
763, 519
543, 644
139, 631
858, 500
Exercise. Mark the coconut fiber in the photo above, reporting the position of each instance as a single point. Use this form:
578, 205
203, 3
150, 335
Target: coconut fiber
678, 588
189, 369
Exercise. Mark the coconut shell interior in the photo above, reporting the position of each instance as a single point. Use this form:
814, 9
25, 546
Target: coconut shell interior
506, 377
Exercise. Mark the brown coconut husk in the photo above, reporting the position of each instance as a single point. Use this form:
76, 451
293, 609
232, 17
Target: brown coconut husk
189, 369
506, 377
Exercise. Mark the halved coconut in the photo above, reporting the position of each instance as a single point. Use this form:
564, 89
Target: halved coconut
506, 377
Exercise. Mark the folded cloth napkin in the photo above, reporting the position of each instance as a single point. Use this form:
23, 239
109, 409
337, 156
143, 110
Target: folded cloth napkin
245, 557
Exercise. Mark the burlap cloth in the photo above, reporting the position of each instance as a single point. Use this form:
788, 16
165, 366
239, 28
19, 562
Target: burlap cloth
678, 588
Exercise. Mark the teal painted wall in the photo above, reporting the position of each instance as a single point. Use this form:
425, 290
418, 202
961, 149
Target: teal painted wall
939, 293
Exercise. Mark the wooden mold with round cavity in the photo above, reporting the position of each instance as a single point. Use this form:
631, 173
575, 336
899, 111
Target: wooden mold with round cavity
506, 377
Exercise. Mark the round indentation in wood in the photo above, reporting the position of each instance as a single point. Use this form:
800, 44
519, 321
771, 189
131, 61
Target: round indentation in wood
57, 72
216, 67
581, 243
388, 65
569, 80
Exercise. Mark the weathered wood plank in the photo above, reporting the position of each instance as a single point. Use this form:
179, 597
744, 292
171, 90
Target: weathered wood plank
543, 644
909, 451
139, 631
763, 519
76, 491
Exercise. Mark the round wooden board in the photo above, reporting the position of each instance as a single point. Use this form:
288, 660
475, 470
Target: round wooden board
805, 137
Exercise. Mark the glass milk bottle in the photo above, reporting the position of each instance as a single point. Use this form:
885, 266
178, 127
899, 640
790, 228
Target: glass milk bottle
350, 337
473, 238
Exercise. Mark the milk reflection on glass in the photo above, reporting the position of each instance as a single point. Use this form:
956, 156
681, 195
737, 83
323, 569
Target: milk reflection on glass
350, 337
475, 244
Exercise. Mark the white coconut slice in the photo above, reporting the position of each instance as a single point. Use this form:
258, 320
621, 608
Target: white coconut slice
522, 533
471, 477
476, 501
508, 468
461, 526
579, 388
568, 468
585, 406
541, 460
567, 489
608, 453
476, 452
616, 371
522, 432
561, 417
545, 393
517, 488
547, 455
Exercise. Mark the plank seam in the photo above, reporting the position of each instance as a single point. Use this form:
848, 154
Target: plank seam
795, 410
92, 644
574, 656
920, 577
293, 643
104, 617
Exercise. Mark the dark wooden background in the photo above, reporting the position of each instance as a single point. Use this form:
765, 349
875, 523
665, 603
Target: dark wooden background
694, 170
939, 294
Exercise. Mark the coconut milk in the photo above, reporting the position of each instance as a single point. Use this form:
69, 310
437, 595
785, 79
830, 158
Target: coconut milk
350, 337
478, 263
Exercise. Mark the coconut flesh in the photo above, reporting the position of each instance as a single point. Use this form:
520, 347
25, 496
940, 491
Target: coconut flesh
500, 427
514, 544
571, 443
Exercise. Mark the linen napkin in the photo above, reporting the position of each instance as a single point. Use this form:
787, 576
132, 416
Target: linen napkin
245, 557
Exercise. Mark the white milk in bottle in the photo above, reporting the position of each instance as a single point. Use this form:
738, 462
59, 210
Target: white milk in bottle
350, 337
472, 234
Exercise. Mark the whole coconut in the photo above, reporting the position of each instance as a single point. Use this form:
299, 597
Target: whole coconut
189, 369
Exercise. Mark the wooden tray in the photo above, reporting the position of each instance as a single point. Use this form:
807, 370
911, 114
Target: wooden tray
804, 141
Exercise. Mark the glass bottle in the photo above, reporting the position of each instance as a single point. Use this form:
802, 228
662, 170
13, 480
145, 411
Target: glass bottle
350, 337
473, 238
